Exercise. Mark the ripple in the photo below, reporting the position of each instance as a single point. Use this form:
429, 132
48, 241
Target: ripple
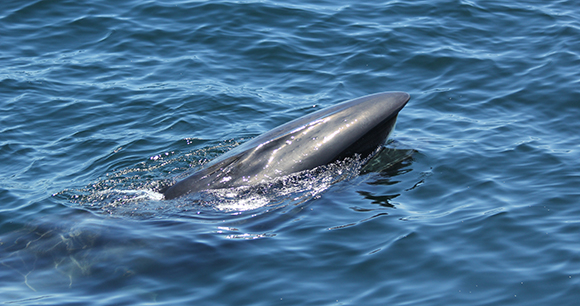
102, 104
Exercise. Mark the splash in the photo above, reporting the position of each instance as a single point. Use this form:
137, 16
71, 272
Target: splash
134, 192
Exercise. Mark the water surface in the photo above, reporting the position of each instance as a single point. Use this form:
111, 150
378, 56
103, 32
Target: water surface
104, 103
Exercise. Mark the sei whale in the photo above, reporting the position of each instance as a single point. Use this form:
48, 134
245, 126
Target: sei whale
357, 126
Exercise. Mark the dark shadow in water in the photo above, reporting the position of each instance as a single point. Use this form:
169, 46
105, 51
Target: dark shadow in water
381, 200
389, 160
389, 163
71, 244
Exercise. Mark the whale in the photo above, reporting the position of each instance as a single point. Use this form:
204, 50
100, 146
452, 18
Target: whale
358, 126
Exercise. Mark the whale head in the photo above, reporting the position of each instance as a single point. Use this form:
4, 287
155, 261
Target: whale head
357, 126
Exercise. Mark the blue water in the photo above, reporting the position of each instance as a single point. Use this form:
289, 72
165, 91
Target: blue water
103, 103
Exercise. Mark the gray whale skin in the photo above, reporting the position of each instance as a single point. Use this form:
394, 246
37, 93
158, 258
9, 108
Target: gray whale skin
357, 126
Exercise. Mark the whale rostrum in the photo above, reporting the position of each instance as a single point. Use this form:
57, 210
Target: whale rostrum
357, 126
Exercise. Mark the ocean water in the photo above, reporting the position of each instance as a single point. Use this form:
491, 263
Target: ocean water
103, 103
